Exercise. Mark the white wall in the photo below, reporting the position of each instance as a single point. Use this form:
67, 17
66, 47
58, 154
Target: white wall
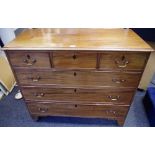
6, 34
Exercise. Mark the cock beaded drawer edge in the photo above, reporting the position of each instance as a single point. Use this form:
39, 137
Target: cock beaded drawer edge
78, 72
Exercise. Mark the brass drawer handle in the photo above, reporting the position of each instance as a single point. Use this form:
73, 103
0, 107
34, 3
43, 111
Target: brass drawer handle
39, 95
43, 110
30, 61
36, 79
113, 98
122, 63
111, 111
118, 80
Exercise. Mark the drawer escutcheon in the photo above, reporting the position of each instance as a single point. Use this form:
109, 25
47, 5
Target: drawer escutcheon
30, 61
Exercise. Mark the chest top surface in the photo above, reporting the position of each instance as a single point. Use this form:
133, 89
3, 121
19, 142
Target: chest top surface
78, 39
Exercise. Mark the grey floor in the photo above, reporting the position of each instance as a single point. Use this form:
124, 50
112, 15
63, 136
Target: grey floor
14, 113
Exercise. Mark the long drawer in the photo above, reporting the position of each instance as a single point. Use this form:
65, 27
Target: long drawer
105, 96
61, 109
78, 78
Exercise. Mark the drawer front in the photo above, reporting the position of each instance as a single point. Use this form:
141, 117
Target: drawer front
61, 109
78, 78
74, 60
102, 96
29, 59
123, 61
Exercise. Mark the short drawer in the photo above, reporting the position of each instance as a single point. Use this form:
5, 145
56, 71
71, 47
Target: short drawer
29, 59
61, 109
98, 96
123, 61
78, 78
73, 60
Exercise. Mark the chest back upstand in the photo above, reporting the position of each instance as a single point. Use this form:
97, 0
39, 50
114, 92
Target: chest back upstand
78, 72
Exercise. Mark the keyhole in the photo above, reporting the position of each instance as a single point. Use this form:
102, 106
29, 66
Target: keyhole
75, 105
28, 56
75, 90
123, 58
74, 56
75, 74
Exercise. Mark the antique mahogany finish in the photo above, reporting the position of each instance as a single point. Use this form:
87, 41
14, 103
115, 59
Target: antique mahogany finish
78, 72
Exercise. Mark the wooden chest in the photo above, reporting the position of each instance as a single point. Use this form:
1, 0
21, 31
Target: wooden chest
78, 72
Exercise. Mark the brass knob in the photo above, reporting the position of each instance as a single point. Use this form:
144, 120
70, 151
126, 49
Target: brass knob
118, 80
43, 110
111, 111
113, 98
36, 79
39, 95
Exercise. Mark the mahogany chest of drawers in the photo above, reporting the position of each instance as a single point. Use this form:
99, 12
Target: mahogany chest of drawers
78, 72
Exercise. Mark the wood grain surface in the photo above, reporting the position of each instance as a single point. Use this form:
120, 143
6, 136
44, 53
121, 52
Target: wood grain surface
61, 109
79, 39
78, 78
98, 96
